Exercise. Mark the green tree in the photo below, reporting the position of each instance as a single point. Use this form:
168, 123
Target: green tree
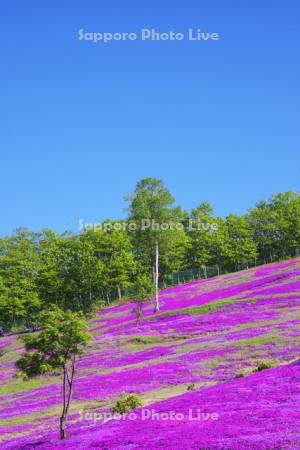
114, 250
276, 226
144, 291
151, 211
240, 247
219, 243
201, 233
56, 349
174, 256
71, 275
19, 266
263, 220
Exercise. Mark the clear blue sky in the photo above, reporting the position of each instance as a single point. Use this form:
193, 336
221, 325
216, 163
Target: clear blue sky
82, 122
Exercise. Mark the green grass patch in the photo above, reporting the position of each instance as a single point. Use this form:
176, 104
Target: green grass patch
17, 385
147, 339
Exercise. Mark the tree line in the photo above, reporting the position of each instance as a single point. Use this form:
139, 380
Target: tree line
158, 241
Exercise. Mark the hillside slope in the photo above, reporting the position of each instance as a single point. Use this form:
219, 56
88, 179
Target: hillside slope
212, 334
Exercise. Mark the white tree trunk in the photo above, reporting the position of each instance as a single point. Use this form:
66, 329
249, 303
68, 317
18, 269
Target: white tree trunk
156, 278
119, 292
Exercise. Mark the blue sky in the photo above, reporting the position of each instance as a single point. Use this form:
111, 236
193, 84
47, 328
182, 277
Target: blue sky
81, 123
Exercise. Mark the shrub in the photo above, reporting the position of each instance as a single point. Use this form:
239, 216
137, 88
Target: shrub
126, 404
239, 375
263, 365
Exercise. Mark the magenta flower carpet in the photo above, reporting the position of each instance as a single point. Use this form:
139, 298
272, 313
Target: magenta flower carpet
194, 367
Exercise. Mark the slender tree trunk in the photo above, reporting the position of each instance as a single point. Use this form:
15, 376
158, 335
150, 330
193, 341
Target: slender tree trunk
119, 292
139, 312
90, 292
68, 380
153, 271
63, 434
218, 269
62, 428
156, 278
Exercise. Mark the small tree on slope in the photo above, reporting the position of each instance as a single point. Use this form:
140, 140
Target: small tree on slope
145, 291
56, 349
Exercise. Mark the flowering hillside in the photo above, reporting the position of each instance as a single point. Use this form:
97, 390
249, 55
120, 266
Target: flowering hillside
200, 357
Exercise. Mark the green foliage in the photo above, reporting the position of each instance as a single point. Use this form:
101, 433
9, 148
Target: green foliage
240, 249
55, 349
144, 291
83, 272
263, 365
276, 226
71, 275
153, 204
62, 338
19, 264
201, 236
112, 247
126, 404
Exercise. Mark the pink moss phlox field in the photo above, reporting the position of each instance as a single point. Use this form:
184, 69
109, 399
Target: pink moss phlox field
207, 332
249, 413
